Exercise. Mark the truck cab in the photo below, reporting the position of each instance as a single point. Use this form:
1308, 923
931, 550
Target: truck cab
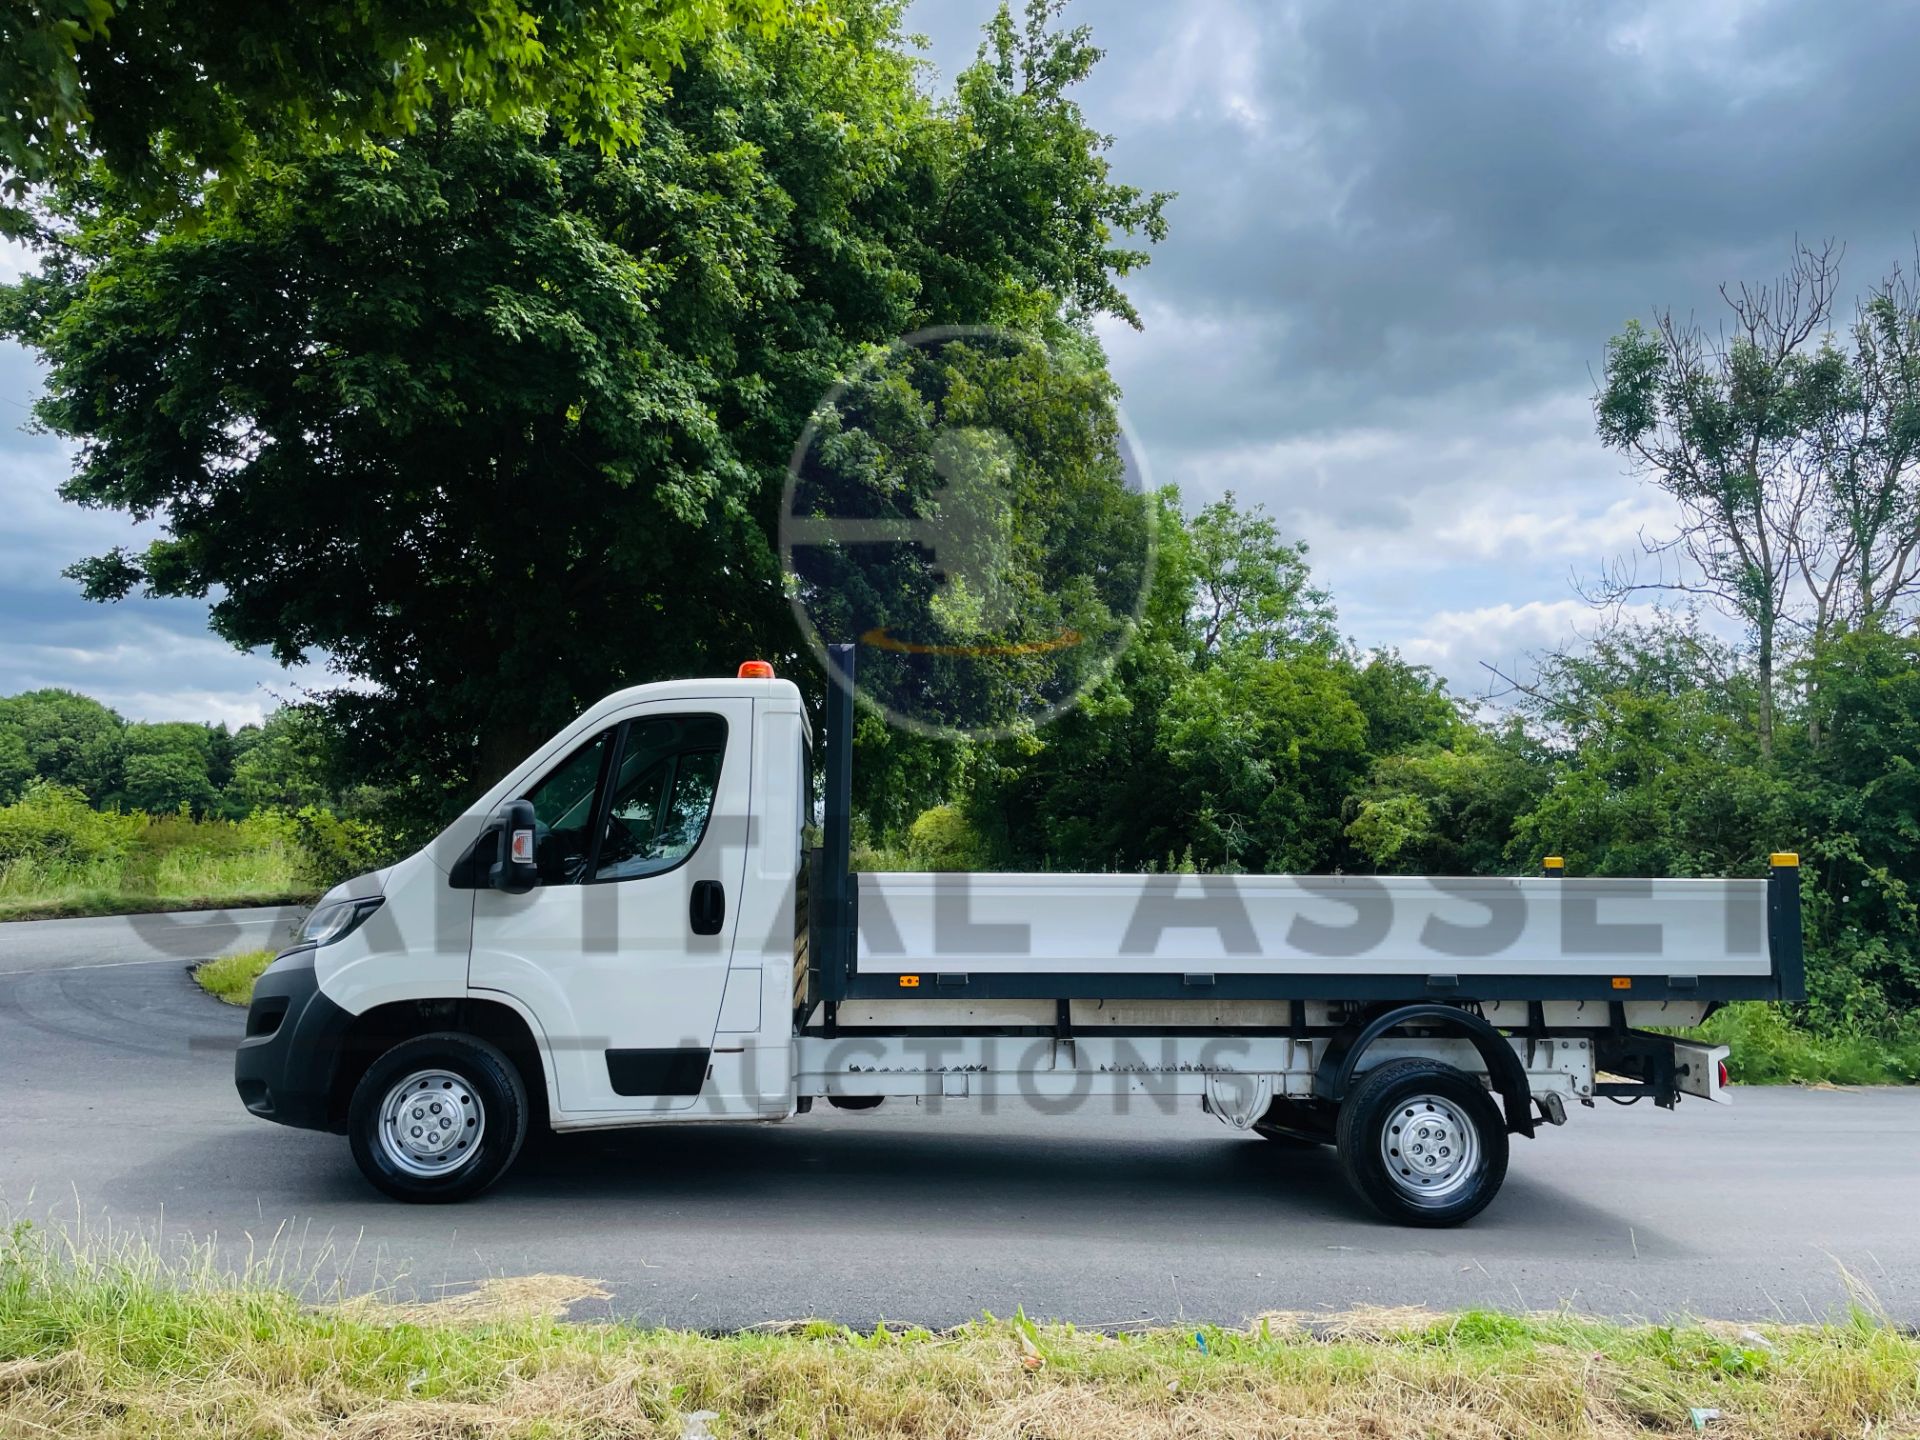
623, 973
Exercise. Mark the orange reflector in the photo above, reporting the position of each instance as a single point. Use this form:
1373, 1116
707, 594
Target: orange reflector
1622, 982
1553, 862
1785, 858
909, 982
756, 670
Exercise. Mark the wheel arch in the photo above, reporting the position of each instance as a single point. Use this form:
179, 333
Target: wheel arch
1335, 1074
376, 1031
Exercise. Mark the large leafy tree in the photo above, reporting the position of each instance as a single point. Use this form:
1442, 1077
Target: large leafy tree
498, 423
171, 766
1720, 424
1793, 456
162, 91
59, 736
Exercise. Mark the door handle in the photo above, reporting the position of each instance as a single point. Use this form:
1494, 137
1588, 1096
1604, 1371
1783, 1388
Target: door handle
707, 907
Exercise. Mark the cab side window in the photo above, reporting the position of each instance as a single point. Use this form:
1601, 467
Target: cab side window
563, 808
663, 795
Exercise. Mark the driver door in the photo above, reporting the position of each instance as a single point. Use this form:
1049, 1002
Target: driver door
621, 951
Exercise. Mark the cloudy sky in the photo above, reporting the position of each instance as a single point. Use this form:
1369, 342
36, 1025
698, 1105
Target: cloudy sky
1403, 235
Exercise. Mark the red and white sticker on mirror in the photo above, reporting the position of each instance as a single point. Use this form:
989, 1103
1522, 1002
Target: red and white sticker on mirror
523, 847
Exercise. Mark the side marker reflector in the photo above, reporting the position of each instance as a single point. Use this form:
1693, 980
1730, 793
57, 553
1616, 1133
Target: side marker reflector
1623, 982
909, 982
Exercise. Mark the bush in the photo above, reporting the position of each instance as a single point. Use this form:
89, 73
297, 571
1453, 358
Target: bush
52, 824
333, 849
942, 839
1769, 1049
59, 857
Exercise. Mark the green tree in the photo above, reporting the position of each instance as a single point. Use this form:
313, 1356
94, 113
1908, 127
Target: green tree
1251, 588
167, 767
1450, 809
1007, 449
286, 763
1721, 425
68, 739
497, 424
1263, 754
1851, 805
162, 91
1793, 455
1235, 733
1655, 767
16, 766
1084, 792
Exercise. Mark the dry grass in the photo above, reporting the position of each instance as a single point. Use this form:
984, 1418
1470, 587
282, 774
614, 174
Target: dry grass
110, 1341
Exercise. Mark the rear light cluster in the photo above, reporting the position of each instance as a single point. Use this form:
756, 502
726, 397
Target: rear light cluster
1724, 1079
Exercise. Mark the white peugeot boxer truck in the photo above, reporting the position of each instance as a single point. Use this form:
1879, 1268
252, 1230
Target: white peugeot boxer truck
630, 929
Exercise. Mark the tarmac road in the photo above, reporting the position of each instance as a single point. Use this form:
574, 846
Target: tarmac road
122, 939
116, 1101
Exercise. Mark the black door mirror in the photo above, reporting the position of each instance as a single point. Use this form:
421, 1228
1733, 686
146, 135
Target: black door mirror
515, 870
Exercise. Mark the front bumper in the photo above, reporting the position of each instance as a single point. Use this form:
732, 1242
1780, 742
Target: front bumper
285, 1067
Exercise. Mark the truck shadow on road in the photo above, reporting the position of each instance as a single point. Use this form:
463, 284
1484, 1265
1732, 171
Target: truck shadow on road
1185, 1175
1176, 1182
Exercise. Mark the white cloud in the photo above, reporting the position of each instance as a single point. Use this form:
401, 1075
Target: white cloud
1208, 66
1495, 527
150, 669
15, 260
1462, 644
148, 659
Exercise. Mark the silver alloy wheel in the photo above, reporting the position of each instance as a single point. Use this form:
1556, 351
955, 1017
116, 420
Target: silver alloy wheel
1431, 1148
431, 1124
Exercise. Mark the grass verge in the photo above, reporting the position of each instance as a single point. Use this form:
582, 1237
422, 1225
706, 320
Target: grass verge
123, 1345
59, 857
74, 904
1768, 1049
230, 977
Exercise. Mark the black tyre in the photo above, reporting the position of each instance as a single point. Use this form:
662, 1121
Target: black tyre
855, 1102
1422, 1142
437, 1119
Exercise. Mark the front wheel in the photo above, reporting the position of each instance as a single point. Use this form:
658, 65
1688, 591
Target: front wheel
438, 1118
1423, 1142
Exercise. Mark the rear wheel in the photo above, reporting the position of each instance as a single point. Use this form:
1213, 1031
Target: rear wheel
438, 1118
1422, 1142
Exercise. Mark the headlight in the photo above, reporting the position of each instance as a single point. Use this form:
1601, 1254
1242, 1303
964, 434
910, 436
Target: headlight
338, 920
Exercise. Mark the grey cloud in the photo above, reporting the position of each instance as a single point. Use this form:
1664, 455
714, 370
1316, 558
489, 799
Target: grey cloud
1406, 231
150, 659
1483, 193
